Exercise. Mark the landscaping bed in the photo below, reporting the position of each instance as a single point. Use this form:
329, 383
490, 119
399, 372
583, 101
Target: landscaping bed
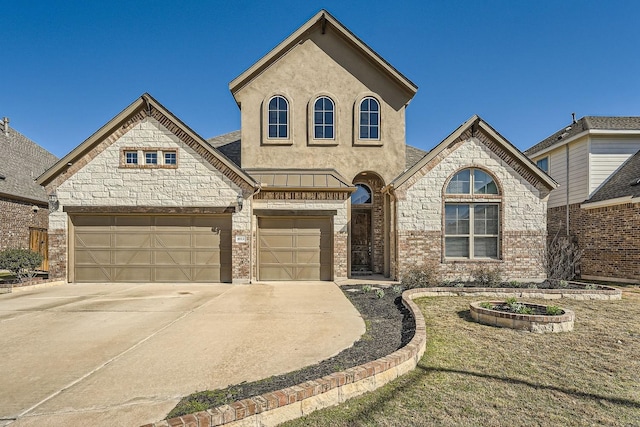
389, 326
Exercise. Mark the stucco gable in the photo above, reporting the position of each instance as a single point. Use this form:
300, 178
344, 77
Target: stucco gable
481, 131
143, 108
323, 22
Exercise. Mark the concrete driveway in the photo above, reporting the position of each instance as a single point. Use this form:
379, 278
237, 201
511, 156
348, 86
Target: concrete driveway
123, 355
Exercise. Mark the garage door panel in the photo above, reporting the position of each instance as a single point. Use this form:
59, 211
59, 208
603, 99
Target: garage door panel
173, 240
94, 256
152, 248
128, 240
93, 239
132, 274
295, 248
126, 257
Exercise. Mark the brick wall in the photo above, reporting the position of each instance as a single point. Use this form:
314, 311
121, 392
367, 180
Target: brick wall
609, 237
16, 217
377, 221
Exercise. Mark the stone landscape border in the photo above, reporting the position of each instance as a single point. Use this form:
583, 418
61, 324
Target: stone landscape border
273, 408
530, 322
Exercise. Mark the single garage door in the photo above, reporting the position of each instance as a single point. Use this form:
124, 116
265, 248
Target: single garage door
294, 248
151, 248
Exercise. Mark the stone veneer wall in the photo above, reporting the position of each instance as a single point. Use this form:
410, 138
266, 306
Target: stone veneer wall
420, 216
101, 182
609, 237
16, 217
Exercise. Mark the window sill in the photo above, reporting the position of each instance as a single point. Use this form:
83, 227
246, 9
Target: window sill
323, 142
473, 260
277, 142
368, 143
132, 166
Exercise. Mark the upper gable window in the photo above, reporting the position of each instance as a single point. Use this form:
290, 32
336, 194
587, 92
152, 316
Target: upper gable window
146, 158
323, 118
472, 181
369, 119
543, 164
278, 118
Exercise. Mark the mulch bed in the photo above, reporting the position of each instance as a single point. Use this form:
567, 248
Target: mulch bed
390, 326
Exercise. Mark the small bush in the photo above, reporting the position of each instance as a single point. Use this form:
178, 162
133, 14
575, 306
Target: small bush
421, 277
591, 286
487, 276
380, 293
458, 285
554, 310
21, 262
366, 288
514, 284
397, 289
486, 305
510, 301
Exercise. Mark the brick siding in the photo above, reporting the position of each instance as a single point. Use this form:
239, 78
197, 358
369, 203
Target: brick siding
16, 217
609, 237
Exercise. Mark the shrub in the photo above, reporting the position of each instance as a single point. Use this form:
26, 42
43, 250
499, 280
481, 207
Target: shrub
487, 276
397, 289
421, 277
380, 293
486, 305
21, 262
562, 258
591, 286
554, 310
366, 288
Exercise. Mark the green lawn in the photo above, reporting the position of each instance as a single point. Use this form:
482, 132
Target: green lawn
473, 374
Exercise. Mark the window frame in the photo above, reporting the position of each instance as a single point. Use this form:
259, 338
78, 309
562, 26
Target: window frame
369, 114
472, 200
545, 158
141, 155
323, 125
368, 203
266, 122
358, 138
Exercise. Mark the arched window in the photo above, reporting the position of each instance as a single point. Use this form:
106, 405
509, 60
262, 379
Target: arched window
323, 118
369, 119
278, 117
472, 215
362, 195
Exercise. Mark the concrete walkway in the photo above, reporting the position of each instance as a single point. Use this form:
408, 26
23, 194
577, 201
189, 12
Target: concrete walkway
123, 355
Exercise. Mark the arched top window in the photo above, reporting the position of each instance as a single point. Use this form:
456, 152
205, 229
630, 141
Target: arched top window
362, 195
369, 118
278, 117
323, 118
472, 181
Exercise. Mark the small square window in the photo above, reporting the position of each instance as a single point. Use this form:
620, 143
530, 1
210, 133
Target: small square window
151, 158
170, 158
131, 157
543, 164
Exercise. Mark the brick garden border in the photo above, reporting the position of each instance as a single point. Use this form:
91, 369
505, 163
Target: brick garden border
273, 408
530, 322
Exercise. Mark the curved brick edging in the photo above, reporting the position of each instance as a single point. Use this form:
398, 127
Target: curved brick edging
270, 409
530, 322
601, 293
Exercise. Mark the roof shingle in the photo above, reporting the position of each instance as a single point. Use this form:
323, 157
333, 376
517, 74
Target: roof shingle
584, 124
22, 162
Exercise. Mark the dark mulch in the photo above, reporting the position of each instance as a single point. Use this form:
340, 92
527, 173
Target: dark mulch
389, 324
547, 284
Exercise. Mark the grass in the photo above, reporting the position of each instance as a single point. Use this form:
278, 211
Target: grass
473, 374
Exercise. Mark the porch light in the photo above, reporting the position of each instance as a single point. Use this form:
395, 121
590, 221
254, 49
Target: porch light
240, 200
53, 202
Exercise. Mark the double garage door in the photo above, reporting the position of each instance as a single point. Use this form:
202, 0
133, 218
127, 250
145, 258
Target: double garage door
294, 248
151, 248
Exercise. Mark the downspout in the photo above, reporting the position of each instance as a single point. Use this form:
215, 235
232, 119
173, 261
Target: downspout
251, 234
567, 189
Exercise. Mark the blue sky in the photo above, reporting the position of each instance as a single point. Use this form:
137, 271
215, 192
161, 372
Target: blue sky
68, 67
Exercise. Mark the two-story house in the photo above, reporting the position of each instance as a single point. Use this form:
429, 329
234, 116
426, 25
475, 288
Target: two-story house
596, 161
24, 213
318, 184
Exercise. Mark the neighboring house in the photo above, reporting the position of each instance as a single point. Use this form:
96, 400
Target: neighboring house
24, 209
596, 160
318, 184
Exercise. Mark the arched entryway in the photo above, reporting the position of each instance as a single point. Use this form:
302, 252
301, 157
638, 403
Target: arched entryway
367, 225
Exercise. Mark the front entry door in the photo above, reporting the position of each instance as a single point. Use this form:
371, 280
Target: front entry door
361, 241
